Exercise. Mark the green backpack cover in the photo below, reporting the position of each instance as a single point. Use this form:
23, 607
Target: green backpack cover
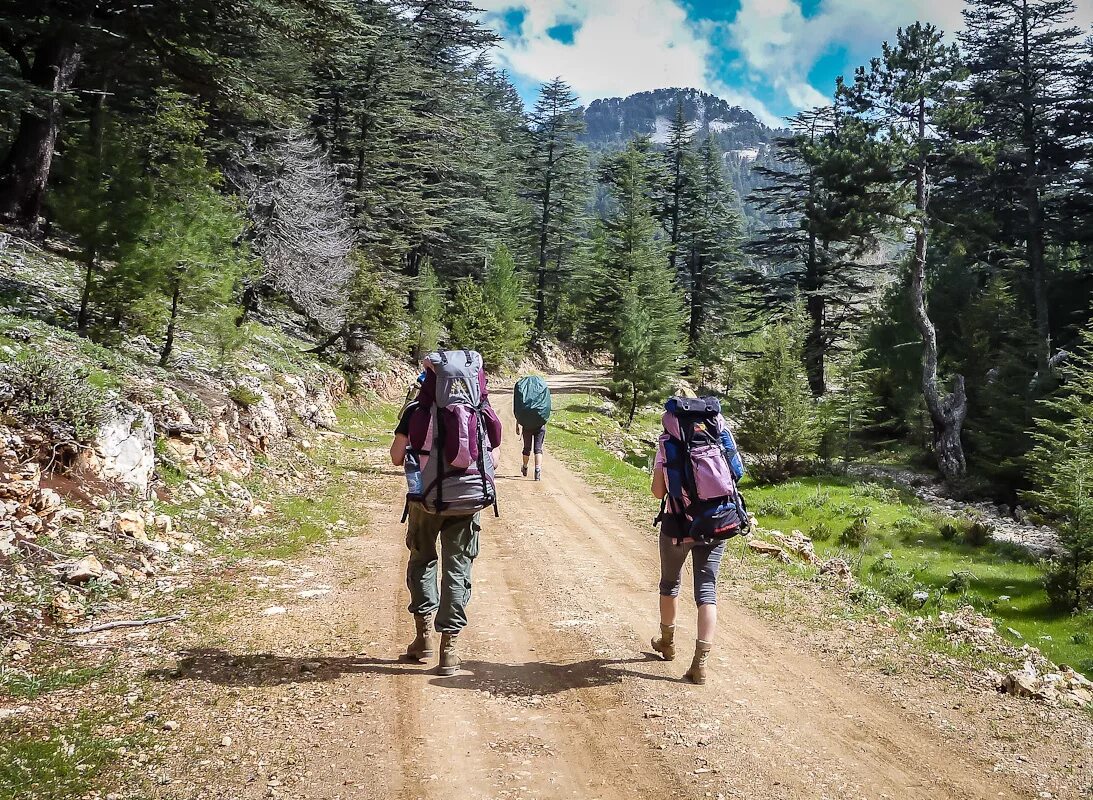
531, 402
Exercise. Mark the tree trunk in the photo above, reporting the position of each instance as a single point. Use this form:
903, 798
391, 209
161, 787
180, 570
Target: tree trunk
814, 341
814, 346
91, 255
169, 342
946, 413
24, 173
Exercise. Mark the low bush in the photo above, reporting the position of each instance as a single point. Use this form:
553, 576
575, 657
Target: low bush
772, 508
245, 396
977, 533
959, 582
820, 532
51, 395
855, 534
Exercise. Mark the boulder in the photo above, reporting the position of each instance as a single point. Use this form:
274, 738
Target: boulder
86, 569
65, 610
767, 549
124, 450
131, 523
839, 569
48, 502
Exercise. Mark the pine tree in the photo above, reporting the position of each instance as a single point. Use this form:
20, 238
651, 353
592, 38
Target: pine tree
906, 94
635, 310
427, 313
1061, 465
828, 216
710, 258
679, 190
187, 248
847, 411
102, 200
1024, 57
475, 325
506, 298
777, 421
244, 58
300, 231
555, 188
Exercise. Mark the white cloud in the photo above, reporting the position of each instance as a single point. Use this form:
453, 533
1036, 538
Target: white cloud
779, 45
619, 47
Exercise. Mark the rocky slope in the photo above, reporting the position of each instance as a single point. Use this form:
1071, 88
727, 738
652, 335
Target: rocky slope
101, 526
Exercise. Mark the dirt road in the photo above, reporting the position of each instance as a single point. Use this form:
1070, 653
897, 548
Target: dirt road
559, 697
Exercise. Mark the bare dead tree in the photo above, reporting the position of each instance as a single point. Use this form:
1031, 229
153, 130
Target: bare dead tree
301, 232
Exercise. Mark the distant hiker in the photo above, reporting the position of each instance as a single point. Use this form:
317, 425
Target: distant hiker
449, 435
531, 407
695, 472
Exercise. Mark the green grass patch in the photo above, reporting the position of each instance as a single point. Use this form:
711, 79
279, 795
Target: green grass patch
56, 763
28, 685
297, 521
896, 544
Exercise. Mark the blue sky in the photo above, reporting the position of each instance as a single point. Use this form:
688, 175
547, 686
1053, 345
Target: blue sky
773, 57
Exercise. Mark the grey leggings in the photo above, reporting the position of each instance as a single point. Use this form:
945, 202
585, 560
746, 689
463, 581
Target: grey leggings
705, 560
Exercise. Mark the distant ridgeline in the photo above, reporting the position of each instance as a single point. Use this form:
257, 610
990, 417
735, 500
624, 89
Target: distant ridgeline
743, 139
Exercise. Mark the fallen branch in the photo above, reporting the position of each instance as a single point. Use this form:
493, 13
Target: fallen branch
124, 623
37, 549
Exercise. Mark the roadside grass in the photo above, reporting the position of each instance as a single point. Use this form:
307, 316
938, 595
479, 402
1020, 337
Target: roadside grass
59, 762
26, 685
895, 544
297, 518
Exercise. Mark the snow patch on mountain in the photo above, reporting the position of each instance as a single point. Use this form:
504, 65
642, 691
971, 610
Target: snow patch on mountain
744, 154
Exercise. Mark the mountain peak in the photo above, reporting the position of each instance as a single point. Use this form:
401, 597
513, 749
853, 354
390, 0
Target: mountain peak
619, 119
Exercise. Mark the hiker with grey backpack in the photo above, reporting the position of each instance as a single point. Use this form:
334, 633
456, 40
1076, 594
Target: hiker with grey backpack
695, 475
531, 407
447, 443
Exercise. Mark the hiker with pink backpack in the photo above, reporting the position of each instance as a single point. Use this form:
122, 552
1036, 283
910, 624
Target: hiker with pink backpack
447, 442
695, 475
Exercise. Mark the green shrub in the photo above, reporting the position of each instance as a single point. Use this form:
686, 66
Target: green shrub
876, 491
772, 508
976, 533
1085, 666
896, 584
1065, 585
245, 396
51, 395
855, 534
820, 532
959, 582
1081, 637
950, 531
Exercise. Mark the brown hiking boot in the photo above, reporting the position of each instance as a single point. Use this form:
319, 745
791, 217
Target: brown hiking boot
449, 661
697, 673
664, 644
421, 649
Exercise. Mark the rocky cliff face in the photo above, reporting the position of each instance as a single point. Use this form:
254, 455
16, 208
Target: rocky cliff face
616, 120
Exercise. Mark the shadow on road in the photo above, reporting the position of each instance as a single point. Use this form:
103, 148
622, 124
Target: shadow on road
223, 668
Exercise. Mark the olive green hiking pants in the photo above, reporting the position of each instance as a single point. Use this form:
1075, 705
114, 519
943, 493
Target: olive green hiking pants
458, 548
